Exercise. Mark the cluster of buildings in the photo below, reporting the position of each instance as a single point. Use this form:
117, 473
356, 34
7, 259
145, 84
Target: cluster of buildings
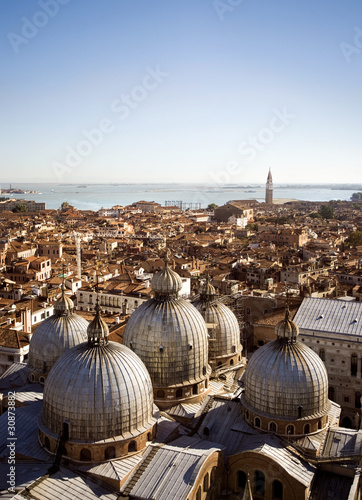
231, 368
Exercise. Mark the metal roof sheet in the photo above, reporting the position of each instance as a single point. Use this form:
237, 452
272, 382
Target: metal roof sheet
15, 375
330, 316
26, 432
224, 424
67, 485
116, 469
172, 469
26, 473
342, 442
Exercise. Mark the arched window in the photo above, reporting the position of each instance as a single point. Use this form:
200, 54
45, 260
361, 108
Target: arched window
149, 437
110, 453
319, 424
231, 362
347, 423
206, 482
300, 411
290, 429
206, 384
47, 443
194, 389
322, 354
160, 394
65, 430
354, 360
357, 400
277, 490
241, 479
257, 422
41, 380
204, 371
206, 431
259, 482
85, 455
306, 429
132, 447
198, 494
179, 393
272, 427
331, 393
213, 476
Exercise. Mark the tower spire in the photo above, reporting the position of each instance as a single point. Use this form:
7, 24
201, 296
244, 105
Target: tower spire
269, 189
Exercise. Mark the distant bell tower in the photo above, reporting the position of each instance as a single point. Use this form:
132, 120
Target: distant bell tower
269, 190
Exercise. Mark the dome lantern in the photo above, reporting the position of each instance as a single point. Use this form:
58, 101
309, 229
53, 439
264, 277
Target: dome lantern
207, 291
166, 283
97, 330
287, 330
64, 305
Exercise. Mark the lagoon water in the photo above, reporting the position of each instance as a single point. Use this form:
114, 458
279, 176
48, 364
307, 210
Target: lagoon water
96, 196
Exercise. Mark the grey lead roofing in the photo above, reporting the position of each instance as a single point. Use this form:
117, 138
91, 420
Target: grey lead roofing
66, 485
330, 316
171, 469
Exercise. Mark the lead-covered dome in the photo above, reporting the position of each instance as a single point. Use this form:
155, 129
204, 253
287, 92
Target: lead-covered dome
102, 392
286, 380
224, 342
55, 335
170, 336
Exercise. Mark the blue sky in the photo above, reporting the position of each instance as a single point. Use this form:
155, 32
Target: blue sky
209, 91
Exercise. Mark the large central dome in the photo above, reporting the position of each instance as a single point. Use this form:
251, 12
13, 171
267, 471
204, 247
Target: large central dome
170, 336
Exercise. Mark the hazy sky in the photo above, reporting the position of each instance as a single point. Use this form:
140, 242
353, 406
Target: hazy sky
207, 91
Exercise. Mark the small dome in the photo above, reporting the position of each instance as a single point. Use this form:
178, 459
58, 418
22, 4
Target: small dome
166, 282
55, 335
283, 376
102, 391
